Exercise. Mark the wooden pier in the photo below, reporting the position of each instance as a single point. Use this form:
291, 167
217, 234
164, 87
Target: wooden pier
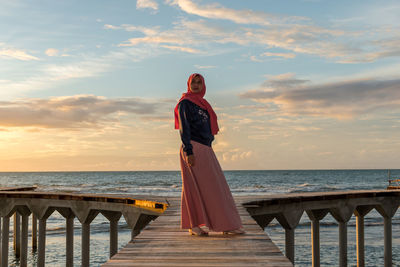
163, 243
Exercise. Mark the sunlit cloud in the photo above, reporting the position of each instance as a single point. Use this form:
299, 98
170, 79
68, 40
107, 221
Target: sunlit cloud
283, 55
79, 111
218, 11
266, 30
182, 49
133, 28
14, 53
140, 4
343, 100
306, 39
52, 52
236, 154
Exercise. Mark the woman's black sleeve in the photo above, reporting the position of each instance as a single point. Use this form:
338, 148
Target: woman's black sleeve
184, 127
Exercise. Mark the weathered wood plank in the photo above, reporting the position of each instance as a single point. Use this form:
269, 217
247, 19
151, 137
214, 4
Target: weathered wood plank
163, 243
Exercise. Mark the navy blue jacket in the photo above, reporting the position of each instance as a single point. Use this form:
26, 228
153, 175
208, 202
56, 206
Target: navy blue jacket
194, 124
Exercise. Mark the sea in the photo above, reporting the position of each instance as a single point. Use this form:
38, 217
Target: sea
242, 183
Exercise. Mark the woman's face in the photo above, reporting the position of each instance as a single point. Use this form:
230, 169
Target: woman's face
197, 85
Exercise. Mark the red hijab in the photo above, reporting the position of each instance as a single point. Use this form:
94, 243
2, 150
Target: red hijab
198, 99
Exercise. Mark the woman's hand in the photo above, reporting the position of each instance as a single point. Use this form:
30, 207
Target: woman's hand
190, 160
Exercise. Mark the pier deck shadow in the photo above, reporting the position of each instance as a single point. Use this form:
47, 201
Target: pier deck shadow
163, 243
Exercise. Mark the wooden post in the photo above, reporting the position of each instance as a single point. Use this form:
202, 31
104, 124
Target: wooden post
17, 234
85, 244
42, 243
70, 242
360, 241
4, 241
24, 241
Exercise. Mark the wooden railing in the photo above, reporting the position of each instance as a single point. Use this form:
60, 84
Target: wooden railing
137, 213
289, 208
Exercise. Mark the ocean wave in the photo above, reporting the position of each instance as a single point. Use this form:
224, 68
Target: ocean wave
305, 185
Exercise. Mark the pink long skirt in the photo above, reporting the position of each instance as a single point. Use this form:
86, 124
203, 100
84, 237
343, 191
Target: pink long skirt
206, 198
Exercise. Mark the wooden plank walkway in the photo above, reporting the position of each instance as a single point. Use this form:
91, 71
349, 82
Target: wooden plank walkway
163, 243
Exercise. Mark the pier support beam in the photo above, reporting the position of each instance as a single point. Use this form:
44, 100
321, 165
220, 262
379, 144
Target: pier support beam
70, 242
69, 239
315, 243
85, 244
289, 219
34, 233
360, 241
0, 237
86, 237
387, 209
342, 244
24, 240
289, 244
315, 216
42, 243
113, 217
342, 213
17, 234
4, 241
44, 215
360, 212
388, 240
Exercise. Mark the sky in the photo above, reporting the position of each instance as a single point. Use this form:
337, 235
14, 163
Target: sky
296, 84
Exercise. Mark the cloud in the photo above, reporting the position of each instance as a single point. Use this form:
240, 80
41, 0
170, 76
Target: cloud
236, 154
141, 4
133, 28
204, 67
284, 55
46, 75
381, 49
306, 39
182, 49
217, 11
79, 111
52, 52
294, 34
342, 100
9, 52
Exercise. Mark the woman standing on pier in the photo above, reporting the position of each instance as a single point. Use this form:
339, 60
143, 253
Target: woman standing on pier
206, 198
